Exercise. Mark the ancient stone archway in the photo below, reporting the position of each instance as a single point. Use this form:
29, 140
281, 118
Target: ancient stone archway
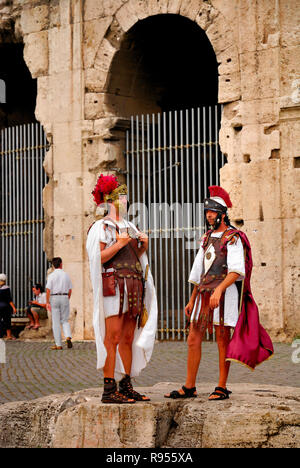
117, 78
111, 33
165, 62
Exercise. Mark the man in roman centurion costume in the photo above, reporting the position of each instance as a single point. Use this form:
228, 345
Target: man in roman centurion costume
222, 298
125, 306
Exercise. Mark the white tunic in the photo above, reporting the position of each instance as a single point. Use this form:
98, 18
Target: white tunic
236, 264
144, 337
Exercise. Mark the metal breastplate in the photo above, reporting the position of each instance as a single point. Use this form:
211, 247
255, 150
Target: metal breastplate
214, 264
128, 269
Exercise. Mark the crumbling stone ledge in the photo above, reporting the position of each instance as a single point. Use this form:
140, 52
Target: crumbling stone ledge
254, 416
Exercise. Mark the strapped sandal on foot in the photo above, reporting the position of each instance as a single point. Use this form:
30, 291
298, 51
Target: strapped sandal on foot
222, 393
126, 388
111, 395
188, 393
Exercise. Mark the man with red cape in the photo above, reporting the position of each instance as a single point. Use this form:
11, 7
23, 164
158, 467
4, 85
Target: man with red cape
222, 298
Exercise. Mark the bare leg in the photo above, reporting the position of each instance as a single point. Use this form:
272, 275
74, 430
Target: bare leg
223, 342
30, 316
36, 318
126, 340
113, 328
194, 357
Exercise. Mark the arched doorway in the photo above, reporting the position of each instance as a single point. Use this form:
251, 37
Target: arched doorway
164, 78
22, 149
165, 62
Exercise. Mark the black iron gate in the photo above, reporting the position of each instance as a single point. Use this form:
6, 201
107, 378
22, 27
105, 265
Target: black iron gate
22, 151
171, 159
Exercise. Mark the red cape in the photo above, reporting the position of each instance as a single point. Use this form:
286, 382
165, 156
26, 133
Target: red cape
250, 343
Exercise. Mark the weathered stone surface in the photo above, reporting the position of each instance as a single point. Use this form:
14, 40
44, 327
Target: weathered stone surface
254, 416
35, 19
36, 53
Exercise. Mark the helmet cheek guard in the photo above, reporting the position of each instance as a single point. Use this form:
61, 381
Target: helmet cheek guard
212, 205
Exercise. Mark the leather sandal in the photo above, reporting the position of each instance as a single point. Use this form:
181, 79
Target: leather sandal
126, 388
222, 393
111, 395
188, 393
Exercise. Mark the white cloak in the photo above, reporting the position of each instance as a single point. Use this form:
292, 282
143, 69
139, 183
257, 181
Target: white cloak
144, 338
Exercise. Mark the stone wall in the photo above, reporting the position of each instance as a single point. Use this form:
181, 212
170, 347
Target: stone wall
70, 46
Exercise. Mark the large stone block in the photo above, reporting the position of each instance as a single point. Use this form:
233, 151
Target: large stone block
158, 8
231, 180
101, 8
174, 6
259, 74
291, 302
190, 8
34, 19
289, 74
36, 53
64, 96
126, 16
261, 190
220, 34
98, 154
229, 87
93, 34
67, 193
42, 109
255, 416
267, 243
96, 80
206, 16
60, 58
289, 24
66, 147
266, 284
104, 56
260, 111
228, 61
259, 141
68, 236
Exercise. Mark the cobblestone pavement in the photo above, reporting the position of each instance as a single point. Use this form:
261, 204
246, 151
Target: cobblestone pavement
32, 370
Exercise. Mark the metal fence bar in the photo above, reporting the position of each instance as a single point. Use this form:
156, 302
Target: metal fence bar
182, 219
22, 181
177, 163
149, 181
171, 225
173, 156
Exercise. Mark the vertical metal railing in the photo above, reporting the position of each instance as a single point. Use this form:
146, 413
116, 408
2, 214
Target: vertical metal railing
23, 178
171, 159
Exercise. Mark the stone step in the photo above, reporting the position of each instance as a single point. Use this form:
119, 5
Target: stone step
254, 416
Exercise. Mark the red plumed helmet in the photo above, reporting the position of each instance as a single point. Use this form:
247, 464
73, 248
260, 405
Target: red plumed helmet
216, 191
104, 186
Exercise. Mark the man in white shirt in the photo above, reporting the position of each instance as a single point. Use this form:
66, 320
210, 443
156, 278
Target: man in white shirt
58, 291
